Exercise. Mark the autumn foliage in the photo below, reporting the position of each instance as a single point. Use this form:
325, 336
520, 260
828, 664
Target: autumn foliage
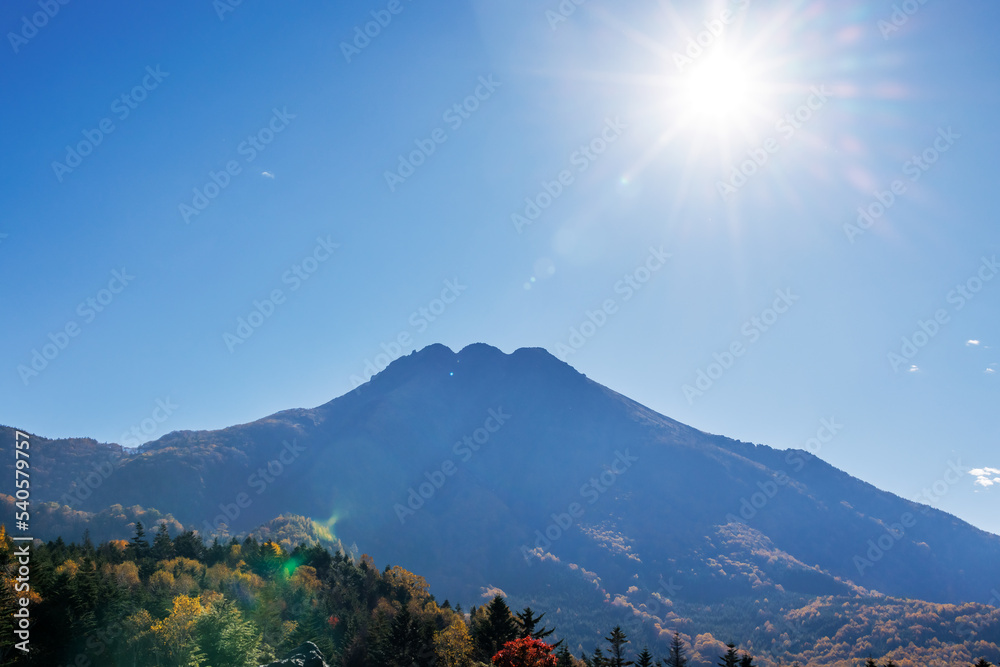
525, 652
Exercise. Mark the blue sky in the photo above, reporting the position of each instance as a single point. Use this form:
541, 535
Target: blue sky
623, 134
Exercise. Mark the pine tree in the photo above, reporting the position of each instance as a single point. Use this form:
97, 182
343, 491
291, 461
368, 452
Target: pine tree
163, 546
982, 663
527, 621
746, 660
563, 658
139, 545
675, 657
731, 658
617, 640
645, 658
494, 628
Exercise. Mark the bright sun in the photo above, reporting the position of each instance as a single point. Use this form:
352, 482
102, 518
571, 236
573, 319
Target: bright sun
720, 92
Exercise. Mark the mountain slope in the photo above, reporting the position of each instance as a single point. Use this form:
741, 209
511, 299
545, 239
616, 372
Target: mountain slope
474, 467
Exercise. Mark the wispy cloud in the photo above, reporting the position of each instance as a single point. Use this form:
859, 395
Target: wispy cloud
267, 174
972, 342
914, 368
991, 369
986, 477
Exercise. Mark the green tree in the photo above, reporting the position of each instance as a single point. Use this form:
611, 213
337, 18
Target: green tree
226, 638
139, 546
163, 546
495, 627
645, 658
731, 658
617, 640
527, 621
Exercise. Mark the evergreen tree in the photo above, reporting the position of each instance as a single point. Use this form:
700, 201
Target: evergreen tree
645, 658
139, 545
675, 657
495, 627
226, 638
746, 660
731, 658
528, 622
870, 662
563, 658
617, 641
163, 546
982, 663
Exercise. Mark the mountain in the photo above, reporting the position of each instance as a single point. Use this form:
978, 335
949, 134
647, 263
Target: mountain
484, 471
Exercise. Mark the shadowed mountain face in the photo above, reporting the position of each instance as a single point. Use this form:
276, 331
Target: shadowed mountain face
481, 469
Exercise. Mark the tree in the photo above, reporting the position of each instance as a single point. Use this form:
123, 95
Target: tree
453, 645
675, 658
527, 621
617, 640
645, 658
982, 663
226, 638
525, 652
163, 546
730, 659
493, 627
564, 659
870, 662
746, 660
139, 545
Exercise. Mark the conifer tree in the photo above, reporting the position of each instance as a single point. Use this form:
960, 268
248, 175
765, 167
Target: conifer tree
617, 640
495, 627
731, 658
645, 658
675, 657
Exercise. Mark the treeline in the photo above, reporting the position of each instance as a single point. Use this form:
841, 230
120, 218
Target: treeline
177, 602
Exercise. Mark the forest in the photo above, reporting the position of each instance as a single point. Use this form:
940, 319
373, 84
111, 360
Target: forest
163, 601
